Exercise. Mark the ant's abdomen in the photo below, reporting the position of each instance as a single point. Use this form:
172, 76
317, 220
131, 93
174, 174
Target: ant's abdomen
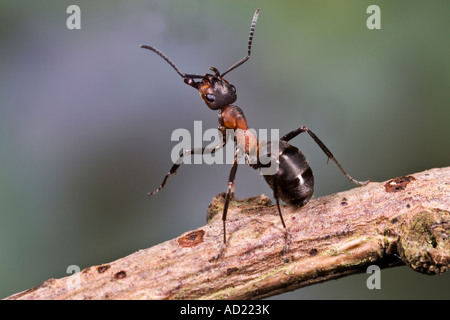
294, 178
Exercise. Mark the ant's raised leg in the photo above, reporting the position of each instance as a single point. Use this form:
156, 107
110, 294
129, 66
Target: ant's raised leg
297, 131
177, 164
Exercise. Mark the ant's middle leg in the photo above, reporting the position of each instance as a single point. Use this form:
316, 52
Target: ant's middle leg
228, 194
297, 131
173, 170
228, 197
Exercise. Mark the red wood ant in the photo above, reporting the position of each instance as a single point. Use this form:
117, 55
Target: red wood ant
293, 182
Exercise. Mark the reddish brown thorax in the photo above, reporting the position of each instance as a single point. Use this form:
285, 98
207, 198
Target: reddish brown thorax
232, 117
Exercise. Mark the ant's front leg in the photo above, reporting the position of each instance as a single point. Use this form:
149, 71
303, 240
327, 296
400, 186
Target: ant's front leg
173, 170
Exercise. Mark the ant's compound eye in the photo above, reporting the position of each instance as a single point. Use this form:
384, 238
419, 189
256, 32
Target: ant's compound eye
233, 88
210, 98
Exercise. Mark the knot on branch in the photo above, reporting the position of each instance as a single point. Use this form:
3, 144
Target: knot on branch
425, 241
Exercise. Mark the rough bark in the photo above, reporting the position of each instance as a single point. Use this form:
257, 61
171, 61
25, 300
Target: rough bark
401, 221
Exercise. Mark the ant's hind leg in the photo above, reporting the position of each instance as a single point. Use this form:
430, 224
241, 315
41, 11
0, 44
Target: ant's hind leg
322, 146
287, 234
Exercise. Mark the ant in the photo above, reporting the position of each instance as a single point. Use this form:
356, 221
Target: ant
293, 182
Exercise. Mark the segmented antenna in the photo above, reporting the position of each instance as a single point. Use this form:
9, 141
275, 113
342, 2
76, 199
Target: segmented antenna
162, 55
250, 39
194, 76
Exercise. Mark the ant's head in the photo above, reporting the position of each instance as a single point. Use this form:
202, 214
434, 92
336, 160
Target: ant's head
214, 90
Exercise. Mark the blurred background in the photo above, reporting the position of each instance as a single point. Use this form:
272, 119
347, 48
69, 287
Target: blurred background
86, 118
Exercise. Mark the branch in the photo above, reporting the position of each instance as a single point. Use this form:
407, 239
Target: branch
402, 221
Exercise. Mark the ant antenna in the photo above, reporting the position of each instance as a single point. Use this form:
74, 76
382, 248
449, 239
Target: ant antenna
250, 39
162, 55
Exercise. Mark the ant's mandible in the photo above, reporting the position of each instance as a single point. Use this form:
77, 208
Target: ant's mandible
293, 182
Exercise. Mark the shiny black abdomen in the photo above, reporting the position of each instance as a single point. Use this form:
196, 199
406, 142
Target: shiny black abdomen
295, 180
